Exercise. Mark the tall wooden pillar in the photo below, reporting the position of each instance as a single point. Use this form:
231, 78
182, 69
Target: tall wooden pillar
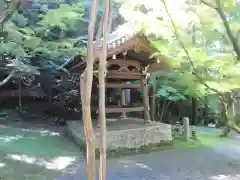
123, 103
145, 99
153, 106
81, 90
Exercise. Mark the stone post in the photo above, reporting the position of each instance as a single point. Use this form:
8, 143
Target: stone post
186, 128
123, 103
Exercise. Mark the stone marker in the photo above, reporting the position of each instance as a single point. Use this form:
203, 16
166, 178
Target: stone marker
186, 128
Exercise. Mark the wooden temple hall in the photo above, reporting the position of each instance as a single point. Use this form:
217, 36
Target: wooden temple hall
128, 65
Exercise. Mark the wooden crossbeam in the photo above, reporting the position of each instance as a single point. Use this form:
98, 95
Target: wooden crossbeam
124, 109
112, 72
124, 62
123, 75
115, 109
123, 86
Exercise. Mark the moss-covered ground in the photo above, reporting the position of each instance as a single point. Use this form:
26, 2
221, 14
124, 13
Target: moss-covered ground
35, 152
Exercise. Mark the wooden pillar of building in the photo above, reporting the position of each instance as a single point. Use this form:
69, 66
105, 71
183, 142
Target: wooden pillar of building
145, 99
153, 106
123, 103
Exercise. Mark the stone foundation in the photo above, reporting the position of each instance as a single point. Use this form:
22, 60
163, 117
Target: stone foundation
125, 135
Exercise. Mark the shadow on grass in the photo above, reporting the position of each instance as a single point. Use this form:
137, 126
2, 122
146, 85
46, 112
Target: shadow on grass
35, 152
204, 139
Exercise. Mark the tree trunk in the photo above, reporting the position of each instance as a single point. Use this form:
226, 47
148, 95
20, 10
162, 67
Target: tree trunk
230, 118
86, 98
145, 100
102, 88
158, 108
20, 93
194, 117
194, 112
205, 110
4, 17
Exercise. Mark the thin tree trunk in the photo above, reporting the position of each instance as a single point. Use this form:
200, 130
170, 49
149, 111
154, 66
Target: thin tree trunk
4, 17
193, 113
230, 118
20, 93
86, 98
102, 88
158, 108
164, 109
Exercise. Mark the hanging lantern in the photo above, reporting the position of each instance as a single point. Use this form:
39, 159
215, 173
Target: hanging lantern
125, 53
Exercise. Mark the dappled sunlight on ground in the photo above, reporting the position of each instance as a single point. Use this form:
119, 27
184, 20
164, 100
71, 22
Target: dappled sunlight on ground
35, 152
58, 163
2, 165
226, 177
8, 139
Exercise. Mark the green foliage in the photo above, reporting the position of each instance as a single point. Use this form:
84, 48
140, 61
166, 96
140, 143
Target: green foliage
63, 17
49, 37
200, 37
166, 89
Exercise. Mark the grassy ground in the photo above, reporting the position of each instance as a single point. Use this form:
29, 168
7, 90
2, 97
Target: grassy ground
35, 153
38, 153
204, 139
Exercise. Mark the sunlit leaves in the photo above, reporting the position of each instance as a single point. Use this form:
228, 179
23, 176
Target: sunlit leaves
32, 42
62, 17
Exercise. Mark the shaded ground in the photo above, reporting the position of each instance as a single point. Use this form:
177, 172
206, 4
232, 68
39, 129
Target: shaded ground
42, 153
35, 151
210, 158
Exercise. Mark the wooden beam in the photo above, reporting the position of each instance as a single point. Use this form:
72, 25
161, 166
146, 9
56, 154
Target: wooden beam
124, 62
113, 109
124, 75
113, 72
128, 77
123, 86
78, 65
124, 109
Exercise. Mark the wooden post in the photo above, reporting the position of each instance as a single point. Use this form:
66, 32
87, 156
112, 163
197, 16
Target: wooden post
123, 103
145, 99
153, 108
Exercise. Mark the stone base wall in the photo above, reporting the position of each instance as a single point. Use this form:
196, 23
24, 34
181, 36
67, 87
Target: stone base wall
136, 138
123, 142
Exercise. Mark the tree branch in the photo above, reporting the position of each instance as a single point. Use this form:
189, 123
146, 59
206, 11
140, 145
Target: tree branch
9, 10
208, 4
226, 25
185, 49
4, 17
12, 73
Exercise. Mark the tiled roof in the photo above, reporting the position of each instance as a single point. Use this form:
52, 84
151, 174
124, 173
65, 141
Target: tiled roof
122, 34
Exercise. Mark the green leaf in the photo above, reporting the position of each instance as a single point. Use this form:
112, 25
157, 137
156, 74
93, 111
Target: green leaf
32, 42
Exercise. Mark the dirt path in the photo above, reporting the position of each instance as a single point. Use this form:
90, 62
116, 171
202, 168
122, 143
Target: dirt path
37, 152
220, 161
